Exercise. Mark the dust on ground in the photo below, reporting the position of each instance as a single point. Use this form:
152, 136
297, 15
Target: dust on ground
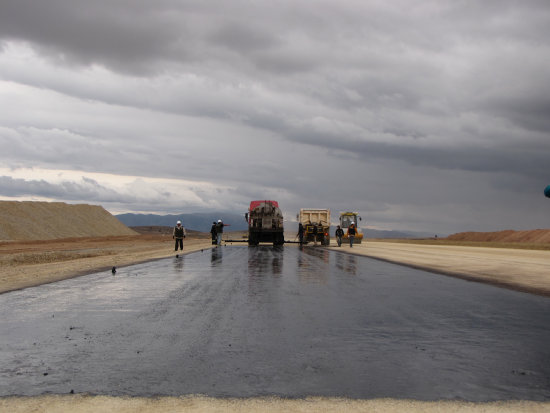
201, 404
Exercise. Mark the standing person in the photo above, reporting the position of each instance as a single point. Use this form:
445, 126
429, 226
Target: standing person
339, 234
219, 230
179, 234
214, 233
301, 233
351, 233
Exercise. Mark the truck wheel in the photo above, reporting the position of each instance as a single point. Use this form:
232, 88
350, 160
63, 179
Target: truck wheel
278, 240
327, 241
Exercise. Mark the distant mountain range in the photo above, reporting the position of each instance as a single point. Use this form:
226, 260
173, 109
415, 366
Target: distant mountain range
198, 221
375, 233
203, 221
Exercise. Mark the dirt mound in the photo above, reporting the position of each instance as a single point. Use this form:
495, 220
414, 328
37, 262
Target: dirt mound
52, 220
531, 236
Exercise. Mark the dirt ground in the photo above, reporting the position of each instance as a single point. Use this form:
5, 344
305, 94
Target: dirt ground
200, 404
519, 269
30, 263
527, 236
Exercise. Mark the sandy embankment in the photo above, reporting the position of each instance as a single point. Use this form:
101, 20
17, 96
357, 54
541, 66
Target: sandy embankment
518, 269
200, 404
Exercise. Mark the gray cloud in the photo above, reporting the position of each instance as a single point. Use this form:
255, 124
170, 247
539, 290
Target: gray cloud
87, 190
117, 34
264, 98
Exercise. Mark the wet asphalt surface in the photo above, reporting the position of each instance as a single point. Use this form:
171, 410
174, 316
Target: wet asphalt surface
239, 321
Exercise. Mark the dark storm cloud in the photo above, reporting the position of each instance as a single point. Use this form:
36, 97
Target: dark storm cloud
125, 35
529, 159
86, 190
531, 112
243, 39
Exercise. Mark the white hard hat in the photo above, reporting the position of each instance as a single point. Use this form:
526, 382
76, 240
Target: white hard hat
179, 222
219, 220
353, 222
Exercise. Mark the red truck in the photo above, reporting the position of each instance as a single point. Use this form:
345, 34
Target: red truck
265, 223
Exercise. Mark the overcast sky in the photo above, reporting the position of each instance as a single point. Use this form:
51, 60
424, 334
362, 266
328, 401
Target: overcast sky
425, 115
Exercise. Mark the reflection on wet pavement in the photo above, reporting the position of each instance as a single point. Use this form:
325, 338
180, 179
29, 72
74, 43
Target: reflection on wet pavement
289, 321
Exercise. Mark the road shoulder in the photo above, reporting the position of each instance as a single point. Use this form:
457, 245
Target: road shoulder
50, 262
518, 269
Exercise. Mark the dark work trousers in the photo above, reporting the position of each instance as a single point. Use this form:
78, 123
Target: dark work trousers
179, 241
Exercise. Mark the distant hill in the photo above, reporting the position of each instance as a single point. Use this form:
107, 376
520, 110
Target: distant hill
391, 234
532, 236
52, 220
166, 230
199, 221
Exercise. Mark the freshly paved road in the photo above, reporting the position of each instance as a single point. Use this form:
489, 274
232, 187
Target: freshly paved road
238, 321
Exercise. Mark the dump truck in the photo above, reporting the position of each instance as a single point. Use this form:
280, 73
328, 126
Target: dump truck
346, 218
311, 218
265, 223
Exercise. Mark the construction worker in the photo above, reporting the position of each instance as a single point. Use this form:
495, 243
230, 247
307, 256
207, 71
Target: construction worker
214, 233
351, 233
179, 234
300, 234
219, 230
339, 234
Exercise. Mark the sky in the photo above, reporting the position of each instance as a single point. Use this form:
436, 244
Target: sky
422, 115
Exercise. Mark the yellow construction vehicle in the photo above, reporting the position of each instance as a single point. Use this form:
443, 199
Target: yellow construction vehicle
346, 218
